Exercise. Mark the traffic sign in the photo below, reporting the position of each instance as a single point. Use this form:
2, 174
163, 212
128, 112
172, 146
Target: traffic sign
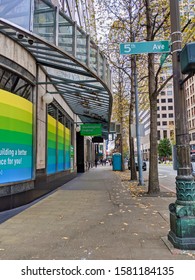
145, 47
163, 58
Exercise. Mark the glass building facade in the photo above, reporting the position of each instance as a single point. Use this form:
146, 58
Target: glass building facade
44, 51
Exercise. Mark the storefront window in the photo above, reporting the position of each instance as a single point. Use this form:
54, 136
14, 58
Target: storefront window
58, 141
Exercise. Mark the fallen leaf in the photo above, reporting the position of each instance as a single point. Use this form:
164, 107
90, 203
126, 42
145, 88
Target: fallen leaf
65, 237
191, 255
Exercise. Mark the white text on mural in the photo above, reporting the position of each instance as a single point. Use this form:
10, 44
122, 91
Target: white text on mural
11, 157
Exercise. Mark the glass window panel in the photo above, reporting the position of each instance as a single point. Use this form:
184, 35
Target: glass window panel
106, 73
52, 111
16, 11
44, 21
101, 65
15, 84
93, 57
164, 133
109, 78
51, 144
81, 52
60, 146
65, 35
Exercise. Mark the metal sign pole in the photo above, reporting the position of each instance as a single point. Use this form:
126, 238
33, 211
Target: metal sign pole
139, 158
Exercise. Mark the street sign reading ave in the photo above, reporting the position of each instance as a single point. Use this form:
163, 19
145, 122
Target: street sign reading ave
145, 47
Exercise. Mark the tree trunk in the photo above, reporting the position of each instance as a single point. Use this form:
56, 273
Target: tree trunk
153, 184
132, 160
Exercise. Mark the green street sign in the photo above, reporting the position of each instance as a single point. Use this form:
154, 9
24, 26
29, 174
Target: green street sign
91, 129
145, 47
163, 58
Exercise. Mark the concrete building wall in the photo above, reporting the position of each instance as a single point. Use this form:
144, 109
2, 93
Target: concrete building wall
16, 193
15, 52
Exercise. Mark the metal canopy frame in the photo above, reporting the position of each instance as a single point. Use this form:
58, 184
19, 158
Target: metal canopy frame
87, 92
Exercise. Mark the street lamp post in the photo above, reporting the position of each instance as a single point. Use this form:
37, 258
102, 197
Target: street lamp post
182, 212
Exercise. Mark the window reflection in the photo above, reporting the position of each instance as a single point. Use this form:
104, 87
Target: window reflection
13, 83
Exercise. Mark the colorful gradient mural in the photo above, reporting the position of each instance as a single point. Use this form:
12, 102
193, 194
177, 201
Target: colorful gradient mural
51, 145
58, 143
67, 147
16, 129
61, 151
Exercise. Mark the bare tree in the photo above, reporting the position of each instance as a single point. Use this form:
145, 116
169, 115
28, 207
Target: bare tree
149, 20
124, 21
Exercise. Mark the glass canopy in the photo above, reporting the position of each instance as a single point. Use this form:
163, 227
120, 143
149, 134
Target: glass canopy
73, 62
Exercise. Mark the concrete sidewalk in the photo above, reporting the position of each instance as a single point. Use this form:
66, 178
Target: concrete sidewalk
98, 215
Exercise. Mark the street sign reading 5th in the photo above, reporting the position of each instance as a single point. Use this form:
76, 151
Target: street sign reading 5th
145, 47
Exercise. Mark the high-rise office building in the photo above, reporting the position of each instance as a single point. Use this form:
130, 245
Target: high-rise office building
165, 117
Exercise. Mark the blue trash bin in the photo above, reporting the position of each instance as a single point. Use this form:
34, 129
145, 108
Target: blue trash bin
117, 162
